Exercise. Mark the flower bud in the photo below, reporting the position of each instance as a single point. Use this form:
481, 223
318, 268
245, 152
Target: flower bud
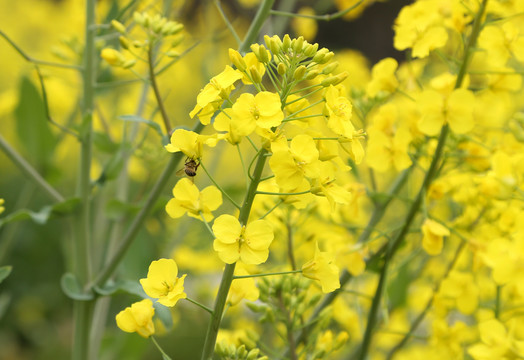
112, 57
129, 63
124, 42
253, 354
319, 56
310, 50
118, 26
286, 43
174, 28
297, 46
177, 40
328, 57
241, 352
264, 55
139, 18
312, 74
256, 76
237, 60
328, 69
281, 69
299, 72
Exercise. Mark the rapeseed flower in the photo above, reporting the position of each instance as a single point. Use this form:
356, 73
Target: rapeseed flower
137, 318
262, 109
323, 269
188, 199
163, 283
190, 143
248, 243
433, 239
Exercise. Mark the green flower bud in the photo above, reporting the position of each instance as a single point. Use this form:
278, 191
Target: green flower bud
242, 352
328, 57
312, 74
256, 76
281, 69
328, 69
310, 50
253, 354
263, 56
118, 26
177, 40
129, 63
299, 72
139, 18
297, 46
124, 42
319, 56
286, 43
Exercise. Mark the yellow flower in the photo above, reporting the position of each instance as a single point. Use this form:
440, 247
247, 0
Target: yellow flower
384, 151
189, 199
461, 287
291, 165
433, 239
112, 57
234, 127
497, 342
137, 318
263, 109
190, 143
322, 268
249, 243
162, 282
383, 77
455, 109
211, 96
338, 110
242, 288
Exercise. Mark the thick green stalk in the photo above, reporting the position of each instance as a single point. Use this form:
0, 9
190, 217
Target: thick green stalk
254, 30
82, 248
415, 206
227, 277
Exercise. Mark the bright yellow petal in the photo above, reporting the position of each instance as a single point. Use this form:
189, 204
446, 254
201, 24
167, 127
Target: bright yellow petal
227, 229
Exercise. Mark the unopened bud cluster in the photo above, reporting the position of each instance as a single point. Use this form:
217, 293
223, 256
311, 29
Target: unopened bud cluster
156, 29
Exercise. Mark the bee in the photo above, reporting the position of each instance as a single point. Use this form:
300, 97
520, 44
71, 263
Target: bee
190, 168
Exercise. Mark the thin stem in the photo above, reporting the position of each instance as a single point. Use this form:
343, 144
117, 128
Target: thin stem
243, 165
207, 224
164, 355
36, 61
327, 17
154, 85
278, 194
254, 30
279, 202
290, 253
29, 171
219, 187
266, 274
228, 23
199, 305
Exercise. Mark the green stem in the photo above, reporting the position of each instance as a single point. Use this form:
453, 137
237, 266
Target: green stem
154, 85
267, 274
29, 170
82, 246
227, 277
35, 61
254, 30
372, 317
219, 187
164, 355
228, 23
200, 305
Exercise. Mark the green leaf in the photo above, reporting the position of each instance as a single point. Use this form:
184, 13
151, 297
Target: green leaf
71, 287
32, 125
47, 212
4, 272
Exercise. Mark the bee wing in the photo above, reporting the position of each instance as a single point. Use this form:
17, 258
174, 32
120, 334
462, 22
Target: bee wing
181, 172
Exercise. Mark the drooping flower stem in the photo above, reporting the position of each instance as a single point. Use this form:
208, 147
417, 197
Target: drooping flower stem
415, 206
227, 277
